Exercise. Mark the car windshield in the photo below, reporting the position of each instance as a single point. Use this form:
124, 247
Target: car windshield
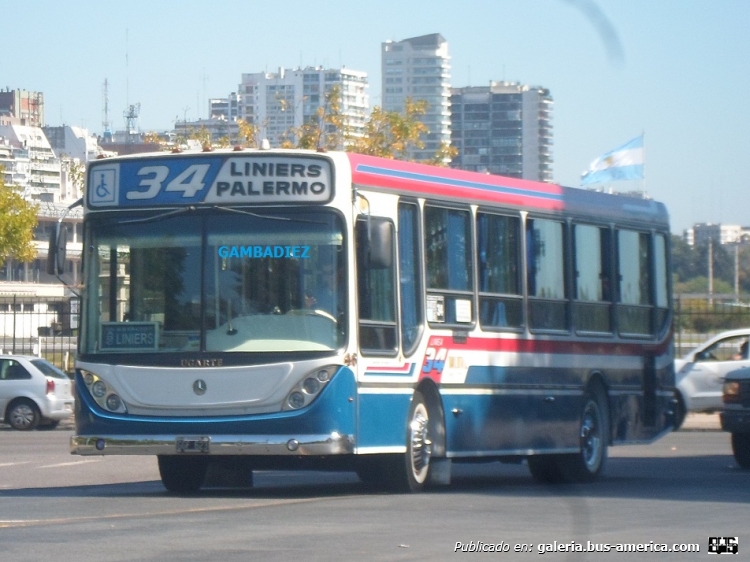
47, 369
216, 282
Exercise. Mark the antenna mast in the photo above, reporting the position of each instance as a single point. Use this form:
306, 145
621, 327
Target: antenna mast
107, 135
132, 110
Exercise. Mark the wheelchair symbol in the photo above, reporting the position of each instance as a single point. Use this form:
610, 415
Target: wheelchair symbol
101, 190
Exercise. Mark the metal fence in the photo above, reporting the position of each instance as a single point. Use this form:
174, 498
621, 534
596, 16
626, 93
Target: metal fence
45, 327
700, 316
49, 327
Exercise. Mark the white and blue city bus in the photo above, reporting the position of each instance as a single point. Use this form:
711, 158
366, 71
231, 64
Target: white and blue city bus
260, 309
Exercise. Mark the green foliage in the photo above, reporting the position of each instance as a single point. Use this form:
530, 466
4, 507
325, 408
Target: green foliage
701, 316
690, 264
18, 219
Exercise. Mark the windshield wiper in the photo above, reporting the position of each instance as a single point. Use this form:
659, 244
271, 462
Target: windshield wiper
161, 216
267, 217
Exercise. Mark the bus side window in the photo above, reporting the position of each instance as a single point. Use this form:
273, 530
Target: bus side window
545, 250
633, 260
661, 279
449, 265
376, 286
498, 261
591, 286
410, 275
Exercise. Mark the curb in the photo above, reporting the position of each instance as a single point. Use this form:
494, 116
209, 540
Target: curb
701, 422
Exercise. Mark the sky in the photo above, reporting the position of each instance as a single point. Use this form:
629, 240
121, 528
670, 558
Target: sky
677, 71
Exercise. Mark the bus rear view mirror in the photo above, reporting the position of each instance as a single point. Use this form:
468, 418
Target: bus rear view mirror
56, 251
376, 236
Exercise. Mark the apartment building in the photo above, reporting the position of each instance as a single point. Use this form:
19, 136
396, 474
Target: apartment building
419, 68
280, 102
504, 128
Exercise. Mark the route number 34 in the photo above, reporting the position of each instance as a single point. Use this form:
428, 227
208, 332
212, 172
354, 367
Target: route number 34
189, 182
434, 360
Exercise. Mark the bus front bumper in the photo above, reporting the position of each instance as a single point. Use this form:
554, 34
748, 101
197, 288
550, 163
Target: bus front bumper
250, 445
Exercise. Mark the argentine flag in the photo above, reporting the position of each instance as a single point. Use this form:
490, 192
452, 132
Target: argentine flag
624, 163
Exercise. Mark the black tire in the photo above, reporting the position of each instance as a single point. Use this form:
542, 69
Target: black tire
679, 410
182, 474
741, 449
23, 415
588, 464
411, 471
593, 431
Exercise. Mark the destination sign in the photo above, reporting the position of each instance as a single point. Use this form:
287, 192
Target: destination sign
129, 336
219, 179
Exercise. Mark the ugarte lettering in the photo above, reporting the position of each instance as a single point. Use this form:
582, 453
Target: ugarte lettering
201, 362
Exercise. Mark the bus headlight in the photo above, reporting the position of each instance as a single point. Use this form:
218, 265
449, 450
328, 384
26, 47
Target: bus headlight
305, 391
102, 393
114, 402
296, 400
311, 385
99, 389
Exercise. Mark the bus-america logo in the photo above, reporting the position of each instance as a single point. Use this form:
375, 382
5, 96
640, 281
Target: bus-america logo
211, 179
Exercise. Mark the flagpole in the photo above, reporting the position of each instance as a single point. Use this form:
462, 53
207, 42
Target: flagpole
645, 191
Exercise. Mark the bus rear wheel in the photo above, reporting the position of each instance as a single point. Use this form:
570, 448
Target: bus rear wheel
587, 464
182, 474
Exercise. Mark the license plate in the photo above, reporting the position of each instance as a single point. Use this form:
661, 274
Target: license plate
192, 444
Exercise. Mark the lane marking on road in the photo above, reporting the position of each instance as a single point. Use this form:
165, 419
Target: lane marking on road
13, 463
71, 463
5, 523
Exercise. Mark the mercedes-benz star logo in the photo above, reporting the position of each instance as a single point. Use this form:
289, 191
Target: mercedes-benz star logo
199, 387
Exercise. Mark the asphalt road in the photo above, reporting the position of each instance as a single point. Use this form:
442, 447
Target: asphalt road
684, 488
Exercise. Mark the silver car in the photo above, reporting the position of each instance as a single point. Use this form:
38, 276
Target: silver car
699, 375
33, 392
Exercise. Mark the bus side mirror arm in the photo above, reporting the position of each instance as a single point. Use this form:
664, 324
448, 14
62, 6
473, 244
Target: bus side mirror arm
58, 240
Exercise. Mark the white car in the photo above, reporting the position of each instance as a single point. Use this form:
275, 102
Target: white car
33, 392
699, 375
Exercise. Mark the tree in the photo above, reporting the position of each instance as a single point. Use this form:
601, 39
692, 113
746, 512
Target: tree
328, 128
391, 134
249, 132
18, 219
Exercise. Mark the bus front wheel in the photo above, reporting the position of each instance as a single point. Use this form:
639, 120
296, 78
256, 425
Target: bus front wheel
182, 474
415, 467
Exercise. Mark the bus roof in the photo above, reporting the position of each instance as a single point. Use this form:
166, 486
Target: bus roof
423, 180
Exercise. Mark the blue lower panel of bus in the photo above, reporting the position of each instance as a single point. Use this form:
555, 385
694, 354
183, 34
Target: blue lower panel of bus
333, 411
509, 423
382, 421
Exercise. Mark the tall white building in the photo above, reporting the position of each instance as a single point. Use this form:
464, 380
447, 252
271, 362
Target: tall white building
279, 102
504, 128
419, 68
74, 143
33, 166
224, 108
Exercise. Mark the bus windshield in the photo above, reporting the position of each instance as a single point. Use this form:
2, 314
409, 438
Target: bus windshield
216, 282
